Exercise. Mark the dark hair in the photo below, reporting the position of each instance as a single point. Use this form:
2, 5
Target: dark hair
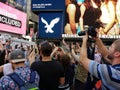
65, 60
87, 3
73, 1
46, 49
16, 46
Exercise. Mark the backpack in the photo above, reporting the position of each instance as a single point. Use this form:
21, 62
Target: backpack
22, 85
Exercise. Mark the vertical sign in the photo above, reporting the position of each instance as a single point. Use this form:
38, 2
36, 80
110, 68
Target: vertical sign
50, 24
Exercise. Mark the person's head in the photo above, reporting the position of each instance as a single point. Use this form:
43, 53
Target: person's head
79, 2
106, 1
65, 60
45, 49
88, 3
59, 52
17, 58
114, 50
70, 1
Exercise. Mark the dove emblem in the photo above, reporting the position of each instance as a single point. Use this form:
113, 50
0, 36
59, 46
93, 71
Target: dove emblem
51, 25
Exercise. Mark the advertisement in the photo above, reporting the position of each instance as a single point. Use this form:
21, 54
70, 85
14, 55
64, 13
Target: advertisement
12, 20
47, 5
98, 16
50, 25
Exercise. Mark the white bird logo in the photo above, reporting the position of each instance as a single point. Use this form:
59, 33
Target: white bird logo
51, 25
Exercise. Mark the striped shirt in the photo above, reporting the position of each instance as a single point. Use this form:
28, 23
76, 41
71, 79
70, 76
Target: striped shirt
109, 75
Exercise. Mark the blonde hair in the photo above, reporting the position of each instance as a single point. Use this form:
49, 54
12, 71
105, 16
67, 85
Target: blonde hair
116, 43
114, 1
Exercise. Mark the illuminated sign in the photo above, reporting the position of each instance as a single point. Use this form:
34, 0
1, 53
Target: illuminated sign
50, 25
45, 5
12, 20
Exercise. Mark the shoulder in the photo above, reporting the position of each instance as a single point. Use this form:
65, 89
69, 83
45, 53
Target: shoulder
56, 65
103, 70
83, 6
22, 70
36, 63
24, 74
71, 7
57, 62
96, 67
6, 83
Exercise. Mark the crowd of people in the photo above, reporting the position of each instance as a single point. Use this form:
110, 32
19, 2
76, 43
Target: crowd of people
81, 65
68, 66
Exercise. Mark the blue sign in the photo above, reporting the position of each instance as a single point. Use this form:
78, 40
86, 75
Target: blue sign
45, 5
50, 25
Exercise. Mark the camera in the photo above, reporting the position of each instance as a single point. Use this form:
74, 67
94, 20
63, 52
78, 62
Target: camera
92, 29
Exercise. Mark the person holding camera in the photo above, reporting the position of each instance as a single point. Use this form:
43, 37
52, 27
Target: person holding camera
108, 74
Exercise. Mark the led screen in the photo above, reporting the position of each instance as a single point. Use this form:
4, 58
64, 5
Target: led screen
12, 20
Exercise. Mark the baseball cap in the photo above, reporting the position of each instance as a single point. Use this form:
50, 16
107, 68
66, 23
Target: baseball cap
17, 55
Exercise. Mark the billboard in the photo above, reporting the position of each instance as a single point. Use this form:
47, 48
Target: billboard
51, 17
12, 20
47, 5
50, 25
109, 29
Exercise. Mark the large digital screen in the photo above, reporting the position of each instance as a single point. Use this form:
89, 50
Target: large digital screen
109, 29
12, 20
